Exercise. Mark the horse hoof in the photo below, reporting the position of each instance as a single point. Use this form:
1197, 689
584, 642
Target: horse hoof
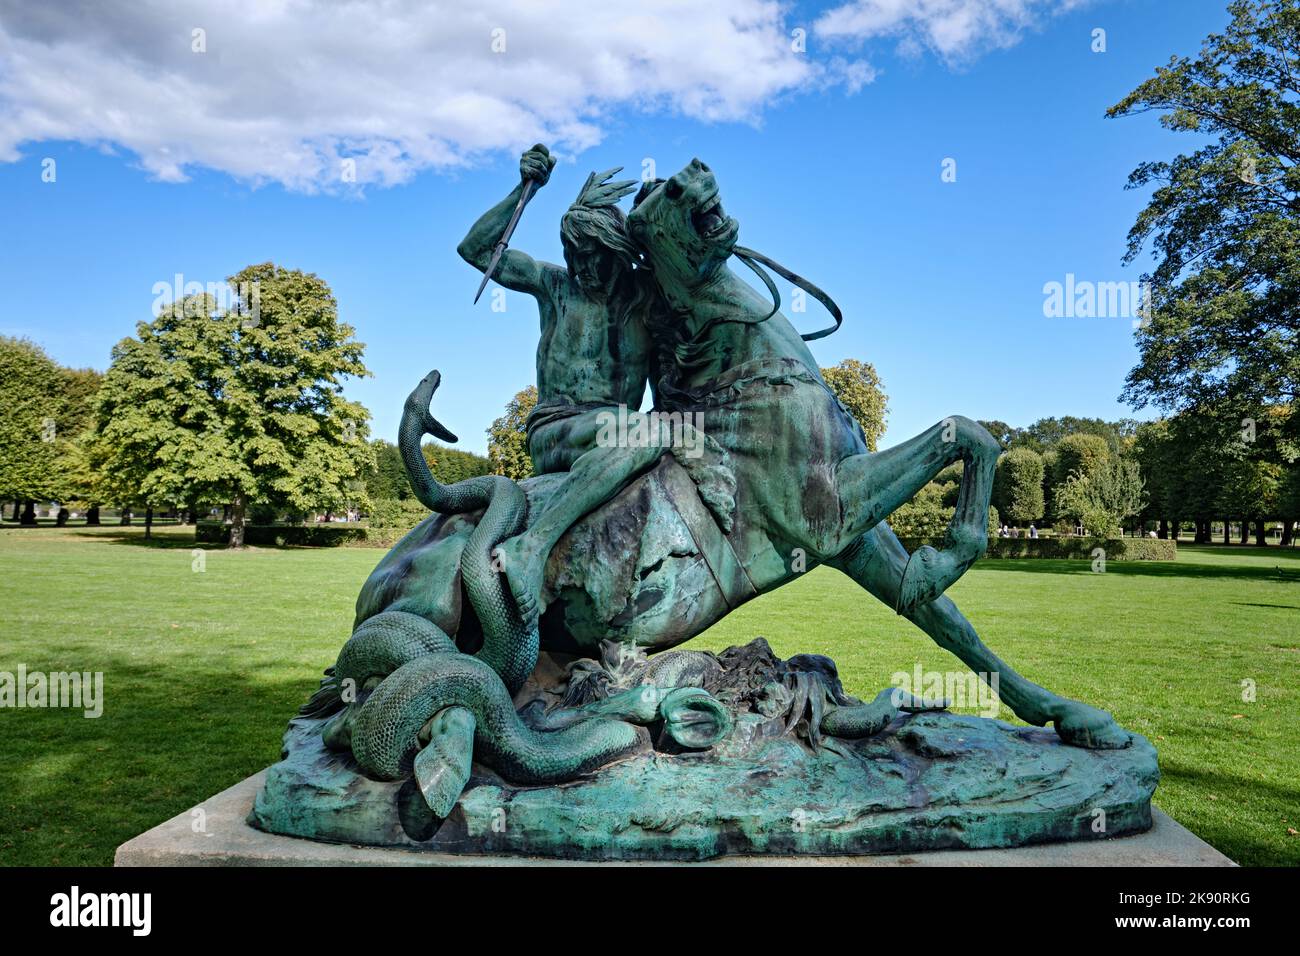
1081, 725
442, 768
693, 718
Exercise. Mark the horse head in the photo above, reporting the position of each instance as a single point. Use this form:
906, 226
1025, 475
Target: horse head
680, 225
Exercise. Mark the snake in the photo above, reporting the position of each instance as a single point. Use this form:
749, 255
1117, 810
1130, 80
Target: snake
398, 671
510, 642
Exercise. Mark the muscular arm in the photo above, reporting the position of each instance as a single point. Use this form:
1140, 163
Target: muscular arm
517, 270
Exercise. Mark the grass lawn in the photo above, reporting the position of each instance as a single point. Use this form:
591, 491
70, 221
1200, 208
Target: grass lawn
202, 670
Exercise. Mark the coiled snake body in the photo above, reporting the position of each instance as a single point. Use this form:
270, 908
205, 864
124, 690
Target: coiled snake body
398, 671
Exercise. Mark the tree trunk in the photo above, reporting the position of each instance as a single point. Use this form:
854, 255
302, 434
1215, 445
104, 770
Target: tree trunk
1202, 532
62, 518
1164, 528
126, 516
237, 509
1245, 531
1261, 532
1227, 531
18, 508
1288, 533
29, 513
148, 522
92, 515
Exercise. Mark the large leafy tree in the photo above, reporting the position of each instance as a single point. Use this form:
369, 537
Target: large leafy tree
30, 384
508, 440
1202, 468
450, 465
858, 388
240, 404
77, 478
1103, 497
1224, 328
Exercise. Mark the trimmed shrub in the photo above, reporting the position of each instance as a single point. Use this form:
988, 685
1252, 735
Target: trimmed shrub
279, 536
1018, 486
1117, 549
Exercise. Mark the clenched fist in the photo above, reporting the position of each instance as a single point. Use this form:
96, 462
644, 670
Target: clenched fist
536, 164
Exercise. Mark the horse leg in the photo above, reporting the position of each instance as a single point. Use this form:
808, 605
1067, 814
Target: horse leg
876, 560
872, 486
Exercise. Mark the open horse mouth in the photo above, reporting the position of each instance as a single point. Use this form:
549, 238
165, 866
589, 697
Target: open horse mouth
709, 220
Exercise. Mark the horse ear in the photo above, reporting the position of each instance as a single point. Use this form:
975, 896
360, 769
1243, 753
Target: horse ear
644, 192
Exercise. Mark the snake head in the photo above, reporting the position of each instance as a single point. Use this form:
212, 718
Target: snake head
418, 403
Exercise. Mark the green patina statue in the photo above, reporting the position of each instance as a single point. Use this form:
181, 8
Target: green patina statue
500, 648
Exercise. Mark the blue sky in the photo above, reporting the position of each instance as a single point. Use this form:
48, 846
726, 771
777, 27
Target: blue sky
941, 283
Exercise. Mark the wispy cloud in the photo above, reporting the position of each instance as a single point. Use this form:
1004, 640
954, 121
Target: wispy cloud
955, 29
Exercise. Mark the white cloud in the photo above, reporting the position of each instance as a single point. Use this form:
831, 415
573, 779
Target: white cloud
955, 29
289, 89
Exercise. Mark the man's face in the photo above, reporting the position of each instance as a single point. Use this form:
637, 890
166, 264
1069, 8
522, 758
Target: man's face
594, 267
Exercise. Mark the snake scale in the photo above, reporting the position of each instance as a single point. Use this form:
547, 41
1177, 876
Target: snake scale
398, 671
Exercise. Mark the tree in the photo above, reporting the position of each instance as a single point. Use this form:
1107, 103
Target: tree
241, 404
859, 390
450, 465
1101, 498
1048, 432
508, 439
1004, 433
1078, 453
77, 479
1018, 486
387, 479
44, 408
1224, 323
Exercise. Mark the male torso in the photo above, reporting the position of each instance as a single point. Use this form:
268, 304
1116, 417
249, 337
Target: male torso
588, 353
593, 355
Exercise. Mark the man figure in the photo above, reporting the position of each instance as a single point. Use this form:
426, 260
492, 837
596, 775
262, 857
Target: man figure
593, 360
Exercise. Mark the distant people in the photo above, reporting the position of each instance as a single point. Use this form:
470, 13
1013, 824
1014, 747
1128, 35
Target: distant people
1033, 531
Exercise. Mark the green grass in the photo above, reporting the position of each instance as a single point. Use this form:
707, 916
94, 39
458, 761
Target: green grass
202, 670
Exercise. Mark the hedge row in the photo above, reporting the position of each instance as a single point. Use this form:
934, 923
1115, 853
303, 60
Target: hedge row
310, 535
395, 522
391, 519
1117, 549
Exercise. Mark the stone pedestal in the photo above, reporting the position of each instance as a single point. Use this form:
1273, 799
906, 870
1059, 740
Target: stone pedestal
227, 840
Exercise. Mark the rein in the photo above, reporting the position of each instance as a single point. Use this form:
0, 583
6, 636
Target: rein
753, 259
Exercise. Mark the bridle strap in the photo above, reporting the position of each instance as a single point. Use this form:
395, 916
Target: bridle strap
752, 259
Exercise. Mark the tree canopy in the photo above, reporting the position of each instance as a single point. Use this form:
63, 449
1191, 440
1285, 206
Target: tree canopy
508, 440
47, 409
1224, 327
241, 404
859, 389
